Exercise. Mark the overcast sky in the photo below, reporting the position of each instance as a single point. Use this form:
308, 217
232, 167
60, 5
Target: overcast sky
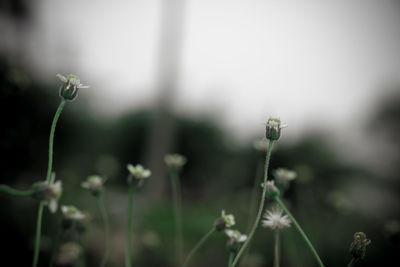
309, 62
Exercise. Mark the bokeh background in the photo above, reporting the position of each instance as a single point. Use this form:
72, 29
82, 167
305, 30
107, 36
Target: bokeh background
200, 78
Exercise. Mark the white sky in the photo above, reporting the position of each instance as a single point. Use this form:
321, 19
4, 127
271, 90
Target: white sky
308, 62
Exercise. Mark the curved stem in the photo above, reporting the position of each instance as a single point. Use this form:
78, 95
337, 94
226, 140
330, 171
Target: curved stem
231, 257
48, 177
176, 192
296, 224
198, 245
129, 228
276, 248
15, 192
104, 215
261, 207
351, 263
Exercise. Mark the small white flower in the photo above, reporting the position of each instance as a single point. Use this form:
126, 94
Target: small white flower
175, 160
228, 218
93, 183
275, 220
72, 213
235, 236
72, 80
284, 175
138, 171
53, 193
273, 128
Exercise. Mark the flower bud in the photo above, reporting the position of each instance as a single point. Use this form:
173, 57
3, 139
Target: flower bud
72, 84
359, 245
271, 190
225, 221
273, 128
49, 192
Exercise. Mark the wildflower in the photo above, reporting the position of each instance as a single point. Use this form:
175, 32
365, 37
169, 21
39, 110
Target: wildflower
261, 145
72, 84
137, 174
359, 245
49, 192
275, 220
283, 177
69, 253
72, 213
273, 128
235, 240
225, 221
271, 190
94, 183
175, 161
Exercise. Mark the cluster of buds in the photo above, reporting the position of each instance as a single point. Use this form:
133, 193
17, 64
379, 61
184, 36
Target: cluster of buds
271, 190
283, 177
71, 215
273, 128
94, 183
71, 85
359, 246
235, 240
50, 192
225, 221
137, 174
174, 162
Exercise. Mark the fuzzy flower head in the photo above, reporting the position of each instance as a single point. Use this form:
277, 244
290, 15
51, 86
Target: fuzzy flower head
235, 240
225, 221
275, 220
283, 177
175, 161
72, 84
359, 245
94, 183
273, 128
50, 192
137, 174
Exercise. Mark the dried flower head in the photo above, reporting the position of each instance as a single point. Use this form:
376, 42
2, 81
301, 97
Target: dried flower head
72, 84
273, 128
50, 192
359, 245
175, 161
94, 183
225, 221
275, 220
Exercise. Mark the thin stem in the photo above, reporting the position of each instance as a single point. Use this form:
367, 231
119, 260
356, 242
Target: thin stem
48, 177
15, 192
37, 237
104, 215
351, 263
276, 248
198, 245
308, 242
176, 193
261, 207
231, 257
129, 228
81, 260
56, 246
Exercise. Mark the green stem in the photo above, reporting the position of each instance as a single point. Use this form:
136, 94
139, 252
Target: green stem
231, 257
276, 248
56, 246
104, 215
176, 192
14, 192
261, 207
351, 263
198, 245
308, 242
48, 177
129, 228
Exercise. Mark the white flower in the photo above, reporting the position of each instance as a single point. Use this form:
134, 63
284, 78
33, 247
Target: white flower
229, 219
53, 193
284, 175
138, 171
93, 183
72, 213
273, 128
72, 80
235, 236
275, 220
175, 160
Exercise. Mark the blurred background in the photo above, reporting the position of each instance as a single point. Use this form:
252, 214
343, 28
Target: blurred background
200, 78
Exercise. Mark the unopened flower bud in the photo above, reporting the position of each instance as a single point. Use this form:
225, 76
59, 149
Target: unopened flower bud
225, 221
359, 245
273, 128
271, 190
71, 85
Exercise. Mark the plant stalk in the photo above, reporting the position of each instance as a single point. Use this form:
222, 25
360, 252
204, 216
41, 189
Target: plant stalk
15, 192
128, 262
276, 248
176, 193
104, 216
198, 245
